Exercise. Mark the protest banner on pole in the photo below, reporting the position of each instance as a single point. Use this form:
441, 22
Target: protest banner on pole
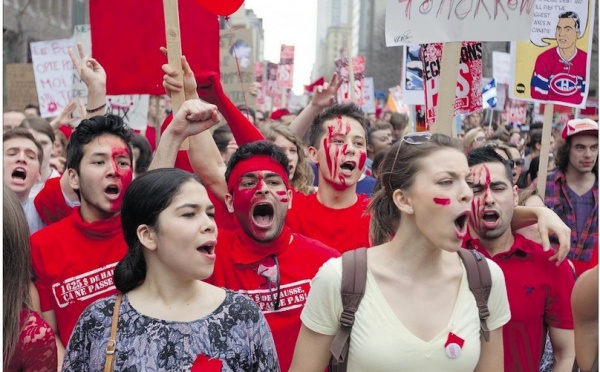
20, 85
358, 73
353, 77
285, 69
545, 150
501, 67
425, 21
463, 90
173, 38
554, 65
368, 105
516, 112
237, 51
273, 91
412, 76
53, 69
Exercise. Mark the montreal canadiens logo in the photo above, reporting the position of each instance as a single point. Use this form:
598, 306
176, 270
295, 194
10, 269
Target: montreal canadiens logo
564, 84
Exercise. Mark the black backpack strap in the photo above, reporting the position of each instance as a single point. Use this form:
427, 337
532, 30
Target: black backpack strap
480, 283
354, 281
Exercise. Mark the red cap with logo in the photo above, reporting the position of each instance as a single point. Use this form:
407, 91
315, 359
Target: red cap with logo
578, 126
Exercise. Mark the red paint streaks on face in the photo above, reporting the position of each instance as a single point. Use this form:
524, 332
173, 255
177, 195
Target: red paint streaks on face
285, 200
244, 195
124, 173
281, 192
480, 177
441, 201
334, 152
362, 159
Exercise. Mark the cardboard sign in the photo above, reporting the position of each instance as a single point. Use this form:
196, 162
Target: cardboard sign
133, 109
550, 71
468, 85
412, 76
20, 85
368, 105
501, 67
53, 72
285, 71
428, 21
237, 51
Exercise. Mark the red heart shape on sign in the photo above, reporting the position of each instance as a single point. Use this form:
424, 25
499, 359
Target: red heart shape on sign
221, 7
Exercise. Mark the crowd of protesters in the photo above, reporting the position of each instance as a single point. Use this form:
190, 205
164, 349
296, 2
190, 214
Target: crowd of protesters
143, 256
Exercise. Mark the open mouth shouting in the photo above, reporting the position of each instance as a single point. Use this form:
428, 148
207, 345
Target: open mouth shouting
490, 219
347, 167
208, 249
262, 215
112, 192
460, 224
19, 175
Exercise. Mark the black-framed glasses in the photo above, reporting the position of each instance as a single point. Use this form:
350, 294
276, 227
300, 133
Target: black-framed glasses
269, 269
417, 138
519, 162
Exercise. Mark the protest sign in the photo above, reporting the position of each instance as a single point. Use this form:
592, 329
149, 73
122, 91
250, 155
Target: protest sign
468, 85
273, 89
133, 109
258, 77
426, 21
285, 71
20, 85
516, 111
343, 70
412, 76
554, 66
501, 67
53, 71
368, 105
237, 63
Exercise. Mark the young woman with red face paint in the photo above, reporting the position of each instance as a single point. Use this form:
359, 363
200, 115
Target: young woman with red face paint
417, 300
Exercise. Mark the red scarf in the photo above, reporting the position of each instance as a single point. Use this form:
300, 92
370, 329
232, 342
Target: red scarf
247, 251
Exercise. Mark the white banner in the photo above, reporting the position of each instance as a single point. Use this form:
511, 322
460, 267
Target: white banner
368, 95
427, 21
501, 69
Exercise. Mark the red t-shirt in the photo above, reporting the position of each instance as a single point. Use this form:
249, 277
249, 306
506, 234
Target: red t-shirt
342, 229
237, 266
50, 202
539, 295
74, 264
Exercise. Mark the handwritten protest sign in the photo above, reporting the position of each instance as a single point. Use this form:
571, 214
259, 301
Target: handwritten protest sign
52, 68
554, 66
412, 76
20, 85
468, 85
342, 68
425, 21
285, 71
501, 67
237, 50
368, 105
133, 109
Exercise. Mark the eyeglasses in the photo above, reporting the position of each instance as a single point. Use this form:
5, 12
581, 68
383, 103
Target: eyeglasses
519, 162
479, 139
265, 269
417, 138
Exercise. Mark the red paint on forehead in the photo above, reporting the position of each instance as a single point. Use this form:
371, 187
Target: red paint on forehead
441, 201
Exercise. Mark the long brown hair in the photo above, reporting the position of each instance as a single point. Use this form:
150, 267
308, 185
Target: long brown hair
17, 272
397, 171
303, 178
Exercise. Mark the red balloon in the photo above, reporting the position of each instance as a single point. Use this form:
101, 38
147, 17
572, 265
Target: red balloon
221, 7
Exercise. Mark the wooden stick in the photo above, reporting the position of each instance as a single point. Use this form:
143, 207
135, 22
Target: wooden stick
174, 54
444, 119
546, 133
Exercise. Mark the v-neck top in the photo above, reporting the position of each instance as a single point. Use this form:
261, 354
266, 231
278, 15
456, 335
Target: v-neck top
380, 342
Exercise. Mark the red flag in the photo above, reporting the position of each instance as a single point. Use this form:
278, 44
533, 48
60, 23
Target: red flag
310, 88
127, 35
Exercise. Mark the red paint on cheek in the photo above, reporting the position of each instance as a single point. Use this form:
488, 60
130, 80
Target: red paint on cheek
284, 200
362, 159
441, 201
283, 195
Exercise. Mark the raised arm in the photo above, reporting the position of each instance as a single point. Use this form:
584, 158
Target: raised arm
93, 75
203, 153
324, 96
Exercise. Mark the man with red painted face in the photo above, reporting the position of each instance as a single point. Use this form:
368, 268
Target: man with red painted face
539, 292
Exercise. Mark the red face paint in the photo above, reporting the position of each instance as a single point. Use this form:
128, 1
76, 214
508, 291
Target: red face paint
441, 201
283, 195
480, 177
362, 159
124, 173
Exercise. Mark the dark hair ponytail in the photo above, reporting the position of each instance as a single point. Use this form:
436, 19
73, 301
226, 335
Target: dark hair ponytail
131, 270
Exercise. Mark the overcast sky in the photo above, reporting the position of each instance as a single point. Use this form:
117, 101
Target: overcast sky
290, 22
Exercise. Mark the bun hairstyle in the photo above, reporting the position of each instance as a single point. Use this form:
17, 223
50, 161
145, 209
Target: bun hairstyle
146, 197
397, 171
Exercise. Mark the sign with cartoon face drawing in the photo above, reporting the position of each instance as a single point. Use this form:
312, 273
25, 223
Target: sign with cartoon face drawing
554, 66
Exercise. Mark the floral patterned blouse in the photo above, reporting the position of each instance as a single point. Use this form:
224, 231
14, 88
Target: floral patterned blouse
235, 337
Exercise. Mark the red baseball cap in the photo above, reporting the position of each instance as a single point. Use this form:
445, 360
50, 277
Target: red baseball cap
277, 114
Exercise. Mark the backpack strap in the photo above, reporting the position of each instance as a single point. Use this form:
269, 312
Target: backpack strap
354, 281
480, 283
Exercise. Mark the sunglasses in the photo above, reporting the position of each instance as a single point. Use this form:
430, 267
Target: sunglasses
417, 138
479, 139
265, 269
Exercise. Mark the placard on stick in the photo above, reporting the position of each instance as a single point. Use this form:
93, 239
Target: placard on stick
20, 85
